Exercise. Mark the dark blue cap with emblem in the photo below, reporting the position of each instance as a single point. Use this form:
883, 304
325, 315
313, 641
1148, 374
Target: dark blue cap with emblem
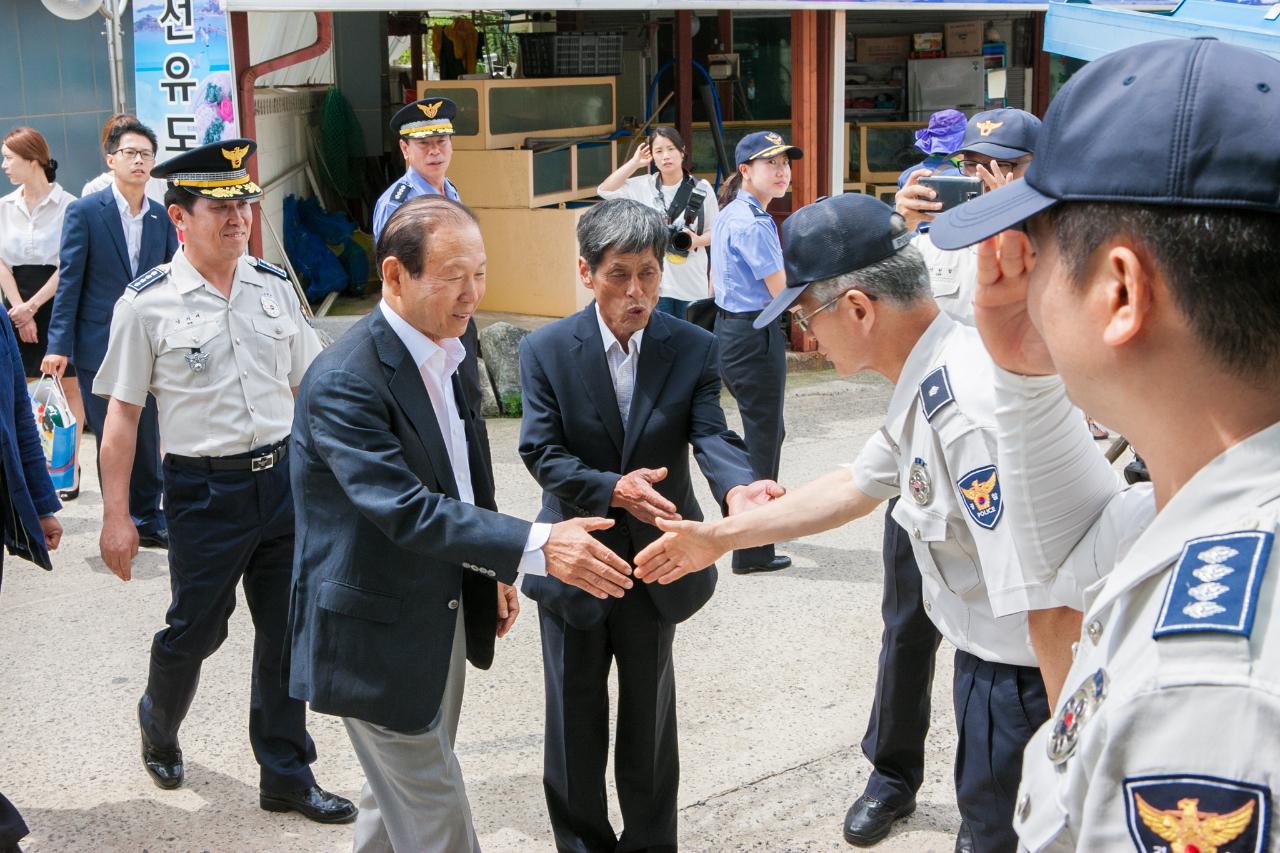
1005, 134
425, 117
216, 171
831, 237
764, 144
1184, 122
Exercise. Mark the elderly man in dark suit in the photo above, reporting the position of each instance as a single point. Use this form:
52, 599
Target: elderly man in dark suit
27, 506
109, 238
404, 569
614, 397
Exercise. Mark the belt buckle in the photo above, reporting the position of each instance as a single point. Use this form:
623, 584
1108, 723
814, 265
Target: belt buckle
263, 463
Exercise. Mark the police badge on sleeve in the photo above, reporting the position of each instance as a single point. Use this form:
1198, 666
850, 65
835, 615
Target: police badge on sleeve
1197, 813
980, 494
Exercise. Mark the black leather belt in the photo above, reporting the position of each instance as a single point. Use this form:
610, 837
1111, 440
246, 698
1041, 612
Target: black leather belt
262, 459
739, 315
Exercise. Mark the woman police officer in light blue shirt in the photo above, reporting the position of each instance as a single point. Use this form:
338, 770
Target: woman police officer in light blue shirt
746, 271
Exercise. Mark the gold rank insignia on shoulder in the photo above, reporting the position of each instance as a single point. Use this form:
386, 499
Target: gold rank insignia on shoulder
985, 128
235, 156
1193, 813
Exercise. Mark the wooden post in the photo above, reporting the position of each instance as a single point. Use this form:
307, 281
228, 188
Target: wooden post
1040, 82
805, 107
684, 74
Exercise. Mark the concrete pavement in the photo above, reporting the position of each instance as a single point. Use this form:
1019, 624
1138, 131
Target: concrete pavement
775, 680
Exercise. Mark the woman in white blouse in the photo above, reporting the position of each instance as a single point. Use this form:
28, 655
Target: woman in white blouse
30, 240
685, 282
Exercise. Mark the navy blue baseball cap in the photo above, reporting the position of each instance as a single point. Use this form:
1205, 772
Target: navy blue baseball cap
1184, 122
831, 237
764, 143
1004, 134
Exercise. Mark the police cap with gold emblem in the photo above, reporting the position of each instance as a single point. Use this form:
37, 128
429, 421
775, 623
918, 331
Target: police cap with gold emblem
427, 117
766, 144
217, 171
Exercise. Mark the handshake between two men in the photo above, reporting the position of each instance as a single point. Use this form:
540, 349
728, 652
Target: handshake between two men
575, 557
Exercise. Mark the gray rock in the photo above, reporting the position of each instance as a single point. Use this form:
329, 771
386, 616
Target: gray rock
500, 349
488, 402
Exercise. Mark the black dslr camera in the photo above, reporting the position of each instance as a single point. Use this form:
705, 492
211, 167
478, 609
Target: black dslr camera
678, 242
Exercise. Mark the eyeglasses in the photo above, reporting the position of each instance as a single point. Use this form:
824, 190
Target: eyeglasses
970, 167
803, 320
134, 153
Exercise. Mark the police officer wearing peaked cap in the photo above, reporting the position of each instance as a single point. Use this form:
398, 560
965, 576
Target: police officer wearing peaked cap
220, 340
1153, 215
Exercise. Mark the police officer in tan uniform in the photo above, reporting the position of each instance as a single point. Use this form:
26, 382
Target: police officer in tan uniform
1145, 287
221, 341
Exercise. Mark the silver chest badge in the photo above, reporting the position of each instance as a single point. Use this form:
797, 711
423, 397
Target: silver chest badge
270, 307
919, 485
197, 360
1065, 735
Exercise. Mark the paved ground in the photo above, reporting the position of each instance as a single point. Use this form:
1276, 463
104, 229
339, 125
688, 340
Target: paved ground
775, 679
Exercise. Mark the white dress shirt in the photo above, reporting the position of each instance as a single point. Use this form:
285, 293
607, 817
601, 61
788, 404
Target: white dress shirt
132, 225
622, 366
155, 186
437, 363
32, 237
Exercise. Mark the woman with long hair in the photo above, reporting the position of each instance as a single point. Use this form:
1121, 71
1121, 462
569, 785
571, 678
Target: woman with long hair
30, 240
746, 272
668, 189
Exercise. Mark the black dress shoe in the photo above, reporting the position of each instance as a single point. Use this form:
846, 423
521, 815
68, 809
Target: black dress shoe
964, 839
314, 803
868, 820
773, 565
159, 539
164, 764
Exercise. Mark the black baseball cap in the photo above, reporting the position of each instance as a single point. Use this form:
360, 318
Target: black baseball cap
764, 143
1003, 134
1183, 122
216, 171
831, 237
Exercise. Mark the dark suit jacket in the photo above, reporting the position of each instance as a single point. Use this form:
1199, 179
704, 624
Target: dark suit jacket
573, 442
29, 491
384, 546
93, 270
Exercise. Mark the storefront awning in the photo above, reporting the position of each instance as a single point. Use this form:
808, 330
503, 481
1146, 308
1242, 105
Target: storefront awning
653, 5
1086, 32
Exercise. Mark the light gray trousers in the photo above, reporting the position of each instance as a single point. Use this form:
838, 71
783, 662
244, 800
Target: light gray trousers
414, 799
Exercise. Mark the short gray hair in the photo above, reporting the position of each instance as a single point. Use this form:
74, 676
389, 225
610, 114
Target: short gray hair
901, 279
622, 225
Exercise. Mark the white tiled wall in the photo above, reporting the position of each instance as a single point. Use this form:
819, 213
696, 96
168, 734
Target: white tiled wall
287, 119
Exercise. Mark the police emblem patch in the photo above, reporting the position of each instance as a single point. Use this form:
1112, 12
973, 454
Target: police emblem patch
919, 486
935, 392
980, 494
1214, 587
1196, 813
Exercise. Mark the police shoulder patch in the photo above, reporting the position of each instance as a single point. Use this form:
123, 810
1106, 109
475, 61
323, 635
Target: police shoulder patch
1195, 812
268, 267
147, 279
935, 392
400, 193
1214, 587
980, 494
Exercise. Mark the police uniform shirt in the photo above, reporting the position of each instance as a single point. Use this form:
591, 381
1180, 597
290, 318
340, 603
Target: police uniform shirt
937, 451
222, 371
953, 277
744, 250
410, 186
1164, 737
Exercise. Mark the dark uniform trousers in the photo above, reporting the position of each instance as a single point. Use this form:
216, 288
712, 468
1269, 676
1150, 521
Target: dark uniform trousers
894, 742
225, 526
12, 827
753, 366
144, 482
576, 667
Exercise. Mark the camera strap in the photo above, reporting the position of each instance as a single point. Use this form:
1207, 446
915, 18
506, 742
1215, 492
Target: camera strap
681, 200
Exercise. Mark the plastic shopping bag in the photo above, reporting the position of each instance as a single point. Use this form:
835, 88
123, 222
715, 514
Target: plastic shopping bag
57, 427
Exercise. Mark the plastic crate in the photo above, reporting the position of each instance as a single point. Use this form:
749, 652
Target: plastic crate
570, 54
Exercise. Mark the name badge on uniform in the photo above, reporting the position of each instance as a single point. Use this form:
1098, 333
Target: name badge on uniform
919, 486
1215, 585
980, 494
1195, 812
197, 360
269, 307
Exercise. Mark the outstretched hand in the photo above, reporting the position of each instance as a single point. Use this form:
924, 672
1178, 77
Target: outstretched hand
576, 558
684, 547
635, 493
1005, 262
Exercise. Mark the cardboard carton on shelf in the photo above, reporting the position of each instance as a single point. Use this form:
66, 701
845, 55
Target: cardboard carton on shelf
964, 38
876, 49
926, 42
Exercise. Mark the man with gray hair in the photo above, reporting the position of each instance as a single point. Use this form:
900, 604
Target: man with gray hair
614, 396
864, 292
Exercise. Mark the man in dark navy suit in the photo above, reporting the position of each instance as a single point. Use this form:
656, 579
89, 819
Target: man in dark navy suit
27, 506
109, 238
614, 396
